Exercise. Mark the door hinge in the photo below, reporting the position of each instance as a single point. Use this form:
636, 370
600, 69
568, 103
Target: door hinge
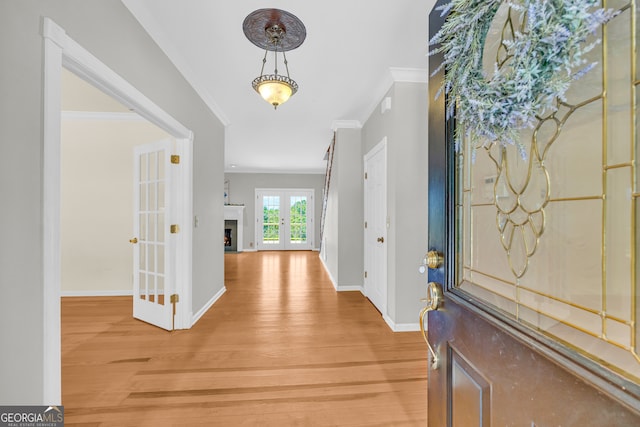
365, 175
365, 224
175, 228
173, 300
365, 274
175, 159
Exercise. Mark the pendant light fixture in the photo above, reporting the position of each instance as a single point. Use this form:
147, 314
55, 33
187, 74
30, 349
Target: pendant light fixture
274, 30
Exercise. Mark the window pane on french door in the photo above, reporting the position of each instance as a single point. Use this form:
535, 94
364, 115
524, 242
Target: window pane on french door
298, 220
271, 220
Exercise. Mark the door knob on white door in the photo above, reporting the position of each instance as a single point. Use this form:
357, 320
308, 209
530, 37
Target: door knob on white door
381, 239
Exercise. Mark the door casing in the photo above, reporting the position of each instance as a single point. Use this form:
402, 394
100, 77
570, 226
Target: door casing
60, 50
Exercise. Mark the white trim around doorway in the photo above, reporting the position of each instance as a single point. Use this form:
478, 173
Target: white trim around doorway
62, 51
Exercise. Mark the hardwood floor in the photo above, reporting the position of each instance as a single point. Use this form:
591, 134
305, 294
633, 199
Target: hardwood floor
280, 348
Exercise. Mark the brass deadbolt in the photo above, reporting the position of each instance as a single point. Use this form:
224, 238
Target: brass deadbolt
134, 240
435, 259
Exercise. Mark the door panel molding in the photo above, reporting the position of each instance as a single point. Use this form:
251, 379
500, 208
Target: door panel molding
526, 385
375, 231
468, 390
597, 375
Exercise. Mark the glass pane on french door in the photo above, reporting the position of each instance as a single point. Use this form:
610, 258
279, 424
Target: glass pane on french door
150, 266
297, 220
271, 220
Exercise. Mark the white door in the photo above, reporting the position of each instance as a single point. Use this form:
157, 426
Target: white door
375, 232
284, 219
154, 248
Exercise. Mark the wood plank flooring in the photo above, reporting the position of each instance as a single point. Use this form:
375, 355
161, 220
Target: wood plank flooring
280, 348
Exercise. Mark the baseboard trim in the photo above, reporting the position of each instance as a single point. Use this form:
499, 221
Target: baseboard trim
401, 327
333, 281
207, 306
336, 286
350, 288
114, 293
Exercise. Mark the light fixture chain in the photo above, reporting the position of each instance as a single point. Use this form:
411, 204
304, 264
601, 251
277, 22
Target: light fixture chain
264, 61
275, 57
286, 63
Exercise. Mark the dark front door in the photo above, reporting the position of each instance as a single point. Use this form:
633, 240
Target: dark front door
539, 320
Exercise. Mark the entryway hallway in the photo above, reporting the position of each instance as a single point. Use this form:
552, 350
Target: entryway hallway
280, 348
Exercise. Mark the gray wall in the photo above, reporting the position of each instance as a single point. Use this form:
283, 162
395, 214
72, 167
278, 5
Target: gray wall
107, 29
405, 127
242, 191
351, 249
344, 238
331, 235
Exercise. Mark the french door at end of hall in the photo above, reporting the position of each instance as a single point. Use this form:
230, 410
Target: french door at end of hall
284, 219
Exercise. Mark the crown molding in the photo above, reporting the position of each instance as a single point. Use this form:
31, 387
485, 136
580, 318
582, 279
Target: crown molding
152, 27
101, 116
409, 75
242, 170
395, 75
345, 124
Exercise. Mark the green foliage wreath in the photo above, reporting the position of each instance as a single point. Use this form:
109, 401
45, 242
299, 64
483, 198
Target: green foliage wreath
544, 55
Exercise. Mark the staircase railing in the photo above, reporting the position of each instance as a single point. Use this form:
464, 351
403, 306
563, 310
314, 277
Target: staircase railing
327, 182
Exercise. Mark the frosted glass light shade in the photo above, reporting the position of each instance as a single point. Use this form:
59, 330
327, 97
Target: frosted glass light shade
274, 92
275, 89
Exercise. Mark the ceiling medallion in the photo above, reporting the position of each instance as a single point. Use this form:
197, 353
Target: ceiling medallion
277, 31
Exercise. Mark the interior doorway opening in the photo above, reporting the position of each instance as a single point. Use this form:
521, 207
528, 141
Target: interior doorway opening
60, 51
98, 136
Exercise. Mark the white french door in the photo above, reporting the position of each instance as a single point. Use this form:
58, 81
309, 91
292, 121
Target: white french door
154, 248
284, 219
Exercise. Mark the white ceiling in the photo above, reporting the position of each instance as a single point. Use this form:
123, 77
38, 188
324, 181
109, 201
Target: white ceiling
343, 68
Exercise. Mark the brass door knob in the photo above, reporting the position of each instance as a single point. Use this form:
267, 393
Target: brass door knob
381, 239
134, 240
434, 296
434, 301
434, 259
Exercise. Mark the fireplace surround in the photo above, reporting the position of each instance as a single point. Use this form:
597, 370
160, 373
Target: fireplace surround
233, 227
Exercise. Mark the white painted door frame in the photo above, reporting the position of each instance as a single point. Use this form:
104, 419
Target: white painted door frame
60, 50
375, 232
